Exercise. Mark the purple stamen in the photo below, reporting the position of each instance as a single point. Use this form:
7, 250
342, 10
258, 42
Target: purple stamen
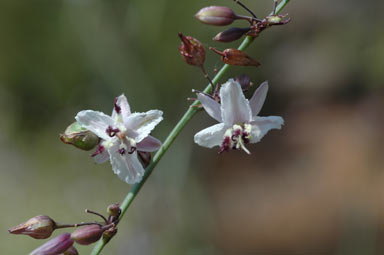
132, 150
112, 131
117, 107
122, 151
225, 145
100, 149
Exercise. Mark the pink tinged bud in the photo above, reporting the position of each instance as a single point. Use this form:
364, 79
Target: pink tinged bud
236, 57
39, 227
114, 210
244, 81
192, 51
57, 245
87, 234
71, 251
79, 137
231, 34
216, 15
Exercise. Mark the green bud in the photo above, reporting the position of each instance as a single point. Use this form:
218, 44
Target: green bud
79, 137
274, 19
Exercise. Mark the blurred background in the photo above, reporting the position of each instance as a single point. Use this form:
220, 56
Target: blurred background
314, 187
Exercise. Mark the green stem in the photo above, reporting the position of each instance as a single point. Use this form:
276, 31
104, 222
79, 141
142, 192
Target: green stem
172, 136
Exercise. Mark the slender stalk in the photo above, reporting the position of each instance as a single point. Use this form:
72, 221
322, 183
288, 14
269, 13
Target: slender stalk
172, 136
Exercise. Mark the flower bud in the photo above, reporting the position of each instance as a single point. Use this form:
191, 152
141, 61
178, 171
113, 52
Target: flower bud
192, 50
87, 234
145, 157
114, 210
109, 233
216, 15
57, 245
236, 57
231, 34
71, 251
39, 227
79, 137
244, 81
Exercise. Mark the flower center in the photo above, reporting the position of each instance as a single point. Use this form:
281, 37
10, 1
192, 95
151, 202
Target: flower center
236, 137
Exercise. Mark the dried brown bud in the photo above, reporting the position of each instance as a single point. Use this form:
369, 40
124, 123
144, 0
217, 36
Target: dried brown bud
79, 137
192, 50
231, 34
87, 234
216, 15
114, 210
236, 57
57, 245
244, 81
39, 227
71, 251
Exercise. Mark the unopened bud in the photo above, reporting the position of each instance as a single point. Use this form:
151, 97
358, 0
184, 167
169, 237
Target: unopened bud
145, 157
236, 57
109, 233
192, 50
80, 137
57, 245
71, 251
87, 234
216, 15
114, 210
231, 34
277, 20
39, 227
244, 81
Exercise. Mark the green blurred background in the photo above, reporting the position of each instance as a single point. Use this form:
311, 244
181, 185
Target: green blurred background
315, 187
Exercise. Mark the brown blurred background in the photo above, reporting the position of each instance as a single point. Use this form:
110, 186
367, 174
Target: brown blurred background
314, 187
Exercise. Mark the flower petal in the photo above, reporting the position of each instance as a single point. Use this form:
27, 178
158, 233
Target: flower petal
123, 105
234, 106
258, 98
126, 166
148, 144
94, 121
101, 157
143, 123
211, 106
261, 126
211, 136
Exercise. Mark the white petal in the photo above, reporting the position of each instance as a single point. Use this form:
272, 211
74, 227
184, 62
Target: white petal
94, 121
143, 123
126, 166
211, 106
148, 144
234, 106
258, 98
211, 136
122, 102
102, 157
261, 126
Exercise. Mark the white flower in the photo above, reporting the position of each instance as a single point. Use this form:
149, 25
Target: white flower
123, 134
239, 123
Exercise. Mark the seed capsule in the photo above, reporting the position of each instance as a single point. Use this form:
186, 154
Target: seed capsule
236, 57
192, 50
216, 15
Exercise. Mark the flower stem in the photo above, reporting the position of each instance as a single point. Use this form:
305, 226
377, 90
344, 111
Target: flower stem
172, 136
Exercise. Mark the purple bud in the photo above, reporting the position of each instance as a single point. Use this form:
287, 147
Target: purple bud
231, 34
145, 157
244, 81
114, 210
57, 245
39, 227
87, 234
216, 15
71, 251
